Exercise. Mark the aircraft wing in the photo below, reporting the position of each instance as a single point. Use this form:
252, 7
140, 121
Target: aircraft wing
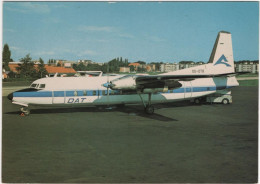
140, 82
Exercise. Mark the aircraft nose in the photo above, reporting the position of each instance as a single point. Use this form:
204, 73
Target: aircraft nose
10, 96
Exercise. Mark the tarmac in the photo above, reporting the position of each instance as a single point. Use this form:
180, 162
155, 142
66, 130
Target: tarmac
180, 143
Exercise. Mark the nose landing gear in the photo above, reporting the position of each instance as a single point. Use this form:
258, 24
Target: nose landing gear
25, 111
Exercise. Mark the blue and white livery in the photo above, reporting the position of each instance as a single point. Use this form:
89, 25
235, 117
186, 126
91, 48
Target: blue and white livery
191, 83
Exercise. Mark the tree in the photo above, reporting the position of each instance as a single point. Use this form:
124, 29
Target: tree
132, 68
41, 69
27, 67
6, 57
93, 67
11, 74
141, 62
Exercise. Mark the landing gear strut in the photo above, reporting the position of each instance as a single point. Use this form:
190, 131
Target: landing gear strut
148, 108
25, 111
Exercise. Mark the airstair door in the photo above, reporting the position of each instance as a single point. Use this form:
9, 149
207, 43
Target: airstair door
187, 89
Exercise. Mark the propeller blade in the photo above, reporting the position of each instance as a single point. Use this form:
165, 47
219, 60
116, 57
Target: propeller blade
108, 85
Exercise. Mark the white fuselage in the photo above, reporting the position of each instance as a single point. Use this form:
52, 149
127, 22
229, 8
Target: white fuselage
90, 91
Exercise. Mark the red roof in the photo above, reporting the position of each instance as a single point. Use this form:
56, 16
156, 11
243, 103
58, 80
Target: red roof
134, 64
13, 67
59, 69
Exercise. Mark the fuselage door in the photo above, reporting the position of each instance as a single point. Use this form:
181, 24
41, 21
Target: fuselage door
58, 97
187, 89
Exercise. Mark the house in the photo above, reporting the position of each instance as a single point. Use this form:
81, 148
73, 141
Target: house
60, 70
124, 69
135, 65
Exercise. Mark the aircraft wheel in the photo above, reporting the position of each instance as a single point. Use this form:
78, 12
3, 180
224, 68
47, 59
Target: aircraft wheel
225, 101
25, 110
149, 109
197, 101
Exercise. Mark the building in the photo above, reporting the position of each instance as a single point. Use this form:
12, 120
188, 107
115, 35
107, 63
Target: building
124, 69
251, 67
170, 67
135, 65
60, 62
85, 61
13, 66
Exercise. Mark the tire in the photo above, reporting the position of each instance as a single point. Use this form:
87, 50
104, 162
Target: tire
225, 101
149, 109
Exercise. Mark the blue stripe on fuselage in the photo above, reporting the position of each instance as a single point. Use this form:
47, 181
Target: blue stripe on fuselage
99, 93
33, 94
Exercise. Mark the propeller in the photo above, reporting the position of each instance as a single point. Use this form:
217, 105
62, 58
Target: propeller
107, 85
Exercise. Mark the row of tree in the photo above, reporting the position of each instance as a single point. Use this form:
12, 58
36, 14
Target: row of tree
26, 69
111, 66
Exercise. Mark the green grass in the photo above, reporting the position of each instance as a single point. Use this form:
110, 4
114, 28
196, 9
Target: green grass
248, 82
16, 83
248, 75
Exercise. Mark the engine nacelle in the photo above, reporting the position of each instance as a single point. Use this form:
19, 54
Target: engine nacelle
124, 83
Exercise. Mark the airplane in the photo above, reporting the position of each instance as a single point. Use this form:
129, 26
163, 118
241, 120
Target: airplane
186, 84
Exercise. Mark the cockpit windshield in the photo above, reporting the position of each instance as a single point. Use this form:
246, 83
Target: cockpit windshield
37, 86
33, 85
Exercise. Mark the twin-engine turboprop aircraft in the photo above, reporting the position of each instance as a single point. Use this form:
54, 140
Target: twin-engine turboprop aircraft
191, 83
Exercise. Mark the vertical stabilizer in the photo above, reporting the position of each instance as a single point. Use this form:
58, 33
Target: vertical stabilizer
221, 60
222, 53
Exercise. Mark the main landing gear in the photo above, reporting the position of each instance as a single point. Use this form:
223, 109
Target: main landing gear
148, 108
25, 111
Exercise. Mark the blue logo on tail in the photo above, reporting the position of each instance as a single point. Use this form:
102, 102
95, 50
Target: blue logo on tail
222, 60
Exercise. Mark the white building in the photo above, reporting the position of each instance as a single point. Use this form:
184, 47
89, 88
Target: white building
247, 67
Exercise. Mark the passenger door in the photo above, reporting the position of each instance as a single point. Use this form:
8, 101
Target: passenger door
187, 89
58, 97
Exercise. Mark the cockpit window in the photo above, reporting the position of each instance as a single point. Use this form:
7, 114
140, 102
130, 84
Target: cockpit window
34, 85
42, 86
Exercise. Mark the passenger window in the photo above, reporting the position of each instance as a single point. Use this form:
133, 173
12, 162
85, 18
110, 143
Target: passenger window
94, 93
84, 93
103, 93
112, 92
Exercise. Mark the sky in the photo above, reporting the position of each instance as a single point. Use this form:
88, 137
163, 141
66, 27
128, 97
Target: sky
138, 31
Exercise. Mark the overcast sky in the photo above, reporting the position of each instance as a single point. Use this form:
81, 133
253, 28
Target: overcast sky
147, 31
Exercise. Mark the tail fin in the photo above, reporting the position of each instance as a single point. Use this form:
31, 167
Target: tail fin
221, 60
222, 54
